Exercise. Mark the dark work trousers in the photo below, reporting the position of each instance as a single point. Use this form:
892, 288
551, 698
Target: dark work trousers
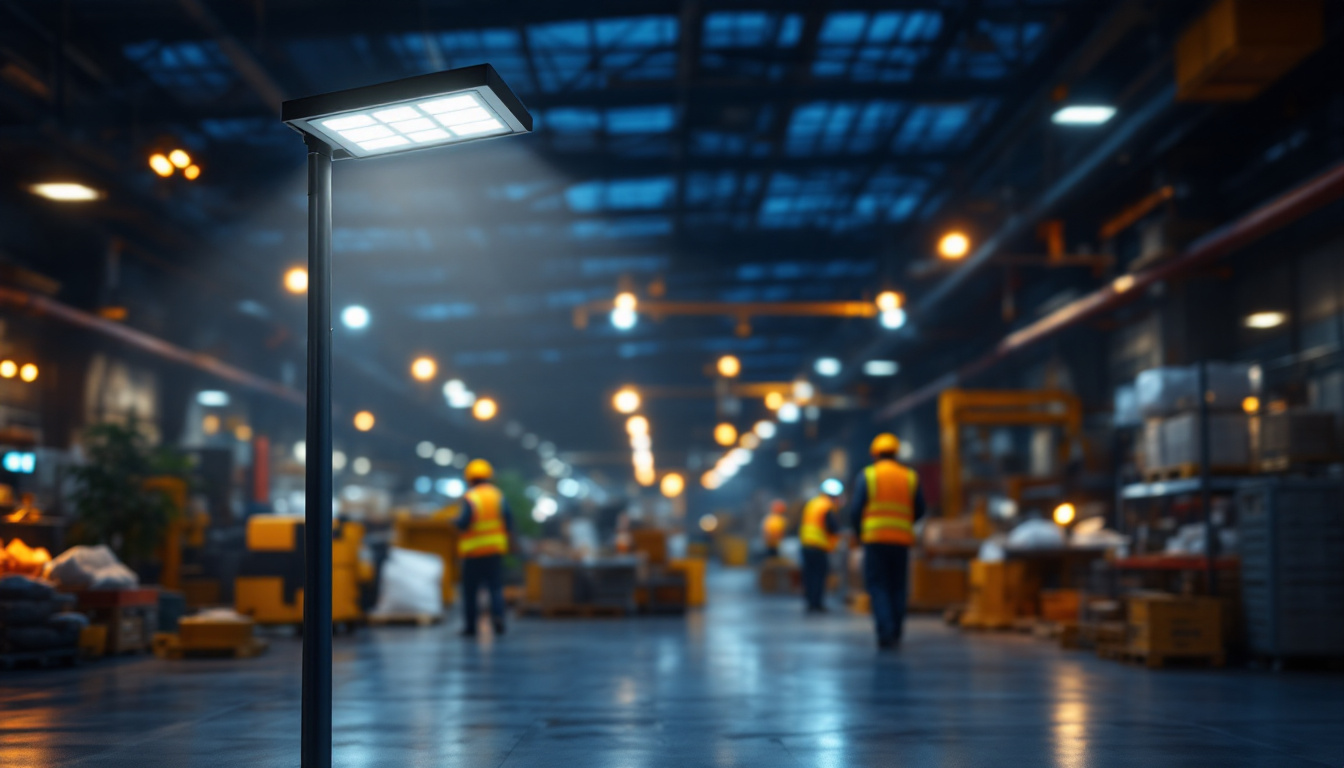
816, 566
885, 567
478, 572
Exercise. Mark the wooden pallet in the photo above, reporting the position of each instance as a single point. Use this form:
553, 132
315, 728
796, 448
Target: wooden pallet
1188, 470
169, 646
576, 611
1126, 654
406, 620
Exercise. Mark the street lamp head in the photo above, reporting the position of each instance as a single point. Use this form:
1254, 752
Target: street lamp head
420, 112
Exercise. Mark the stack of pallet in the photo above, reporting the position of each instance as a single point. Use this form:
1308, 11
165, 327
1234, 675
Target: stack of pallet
1000, 594
562, 589
1168, 399
33, 625
1163, 628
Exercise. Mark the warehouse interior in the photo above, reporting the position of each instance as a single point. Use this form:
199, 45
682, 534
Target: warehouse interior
880, 382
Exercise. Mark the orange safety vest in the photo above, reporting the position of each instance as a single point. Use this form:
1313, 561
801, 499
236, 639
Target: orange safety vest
889, 516
813, 531
772, 529
487, 535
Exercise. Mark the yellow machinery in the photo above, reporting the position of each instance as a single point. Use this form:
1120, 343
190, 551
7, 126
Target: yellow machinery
269, 586
939, 569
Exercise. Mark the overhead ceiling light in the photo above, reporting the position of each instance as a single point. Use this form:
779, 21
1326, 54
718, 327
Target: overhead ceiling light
362, 466
443, 456
832, 487
425, 449
803, 390
161, 165
788, 459
414, 113
364, 421
338, 460
954, 245
192, 172
452, 487
65, 191
1262, 320
568, 487
725, 434
484, 409
881, 367
179, 158
624, 319
827, 366
892, 319
423, 485
212, 398
672, 485
424, 368
626, 400
1083, 114
889, 300
765, 429
773, 400
729, 366
355, 317
789, 413
637, 425
296, 280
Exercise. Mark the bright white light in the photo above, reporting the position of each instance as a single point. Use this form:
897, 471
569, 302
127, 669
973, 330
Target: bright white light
624, 319
434, 120
1091, 114
545, 508
355, 317
569, 487
832, 486
423, 485
443, 456
453, 487
1263, 320
212, 398
300, 452
362, 466
458, 396
891, 319
641, 442
765, 429
788, 413
556, 468
424, 449
827, 366
740, 456
803, 390
788, 459
337, 460
881, 367
65, 192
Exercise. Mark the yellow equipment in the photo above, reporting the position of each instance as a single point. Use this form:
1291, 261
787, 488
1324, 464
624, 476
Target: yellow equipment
269, 586
437, 535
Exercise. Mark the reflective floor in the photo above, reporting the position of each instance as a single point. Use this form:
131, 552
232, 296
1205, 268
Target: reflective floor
751, 682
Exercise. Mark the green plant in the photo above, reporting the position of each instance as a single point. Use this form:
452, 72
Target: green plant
110, 497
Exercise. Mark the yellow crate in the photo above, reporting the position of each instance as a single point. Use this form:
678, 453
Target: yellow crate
694, 570
1163, 626
733, 551
935, 585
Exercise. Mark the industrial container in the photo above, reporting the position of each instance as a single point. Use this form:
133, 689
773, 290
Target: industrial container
1229, 441
1292, 566
1175, 389
1297, 436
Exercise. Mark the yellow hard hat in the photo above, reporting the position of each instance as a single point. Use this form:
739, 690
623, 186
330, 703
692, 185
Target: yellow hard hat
479, 469
885, 443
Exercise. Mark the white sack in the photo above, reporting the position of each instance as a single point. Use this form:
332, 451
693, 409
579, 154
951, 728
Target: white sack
412, 584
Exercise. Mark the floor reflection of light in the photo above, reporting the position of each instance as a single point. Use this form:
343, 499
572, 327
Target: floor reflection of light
1069, 718
627, 691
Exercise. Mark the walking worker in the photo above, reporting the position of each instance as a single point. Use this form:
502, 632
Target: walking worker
819, 533
773, 527
484, 525
886, 502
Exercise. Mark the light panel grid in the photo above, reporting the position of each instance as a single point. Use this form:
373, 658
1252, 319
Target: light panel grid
425, 122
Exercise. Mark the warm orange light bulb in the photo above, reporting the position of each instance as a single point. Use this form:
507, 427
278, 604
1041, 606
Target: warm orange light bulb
424, 368
725, 434
161, 165
729, 366
364, 421
296, 280
954, 245
484, 409
192, 172
28, 372
179, 158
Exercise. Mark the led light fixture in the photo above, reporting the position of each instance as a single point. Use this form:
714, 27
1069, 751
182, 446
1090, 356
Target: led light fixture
355, 317
212, 398
1263, 320
415, 113
1083, 114
827, 366
65, 192
881, 367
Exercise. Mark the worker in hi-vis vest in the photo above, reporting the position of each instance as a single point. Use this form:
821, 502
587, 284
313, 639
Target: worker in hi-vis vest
818, 534
483, 540
773, 527
885, 503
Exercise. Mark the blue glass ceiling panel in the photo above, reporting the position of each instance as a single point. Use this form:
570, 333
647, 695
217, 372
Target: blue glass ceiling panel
814, 201
831, 128
751, 29
875, 47
621, 194
444, 310
580, 55
634, 227
193, 72
596, 266
711, 189
433, 51
996, 49
931, 128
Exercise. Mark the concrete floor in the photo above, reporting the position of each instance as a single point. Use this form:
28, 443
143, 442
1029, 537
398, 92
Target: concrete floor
751, 682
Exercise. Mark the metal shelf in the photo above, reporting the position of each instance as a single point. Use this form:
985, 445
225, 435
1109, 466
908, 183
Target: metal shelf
1164, 488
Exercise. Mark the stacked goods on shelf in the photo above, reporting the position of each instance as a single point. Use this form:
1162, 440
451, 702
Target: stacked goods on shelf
1297, 437
1168, 400
34, 624
1292, 561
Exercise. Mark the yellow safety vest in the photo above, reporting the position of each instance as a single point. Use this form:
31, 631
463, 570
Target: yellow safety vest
487, 535
772, 529
813, 531
889, 517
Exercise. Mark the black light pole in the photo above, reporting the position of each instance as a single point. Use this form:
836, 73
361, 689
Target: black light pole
316, 727
423, 112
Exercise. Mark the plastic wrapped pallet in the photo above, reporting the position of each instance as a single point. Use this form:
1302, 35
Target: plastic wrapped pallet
1150, 451
1126, 407
411, 584
91, 568
1173, 389
1229, 440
